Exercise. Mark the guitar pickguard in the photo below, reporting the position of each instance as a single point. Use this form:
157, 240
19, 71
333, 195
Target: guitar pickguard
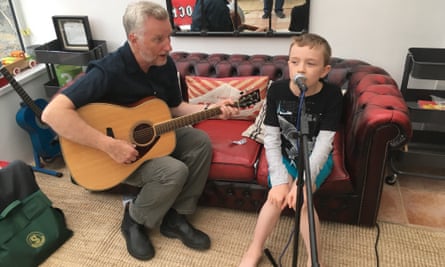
145, 149
142, 137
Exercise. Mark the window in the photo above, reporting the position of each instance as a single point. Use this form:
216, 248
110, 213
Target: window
10, 38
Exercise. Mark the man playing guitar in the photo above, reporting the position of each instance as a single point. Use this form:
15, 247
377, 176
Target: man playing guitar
170, 185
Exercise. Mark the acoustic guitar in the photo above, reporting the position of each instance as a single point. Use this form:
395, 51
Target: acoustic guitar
44, 139
149, 126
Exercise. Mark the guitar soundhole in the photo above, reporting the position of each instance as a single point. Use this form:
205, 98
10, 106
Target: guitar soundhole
143, 134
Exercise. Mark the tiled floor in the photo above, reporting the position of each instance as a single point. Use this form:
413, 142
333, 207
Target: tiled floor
414, 200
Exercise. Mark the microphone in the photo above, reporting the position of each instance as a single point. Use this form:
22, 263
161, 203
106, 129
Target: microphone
300, 80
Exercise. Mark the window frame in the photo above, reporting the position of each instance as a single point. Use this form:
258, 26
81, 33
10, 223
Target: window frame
13, 20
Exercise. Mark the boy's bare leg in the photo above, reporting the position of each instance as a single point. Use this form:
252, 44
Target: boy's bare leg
267, 219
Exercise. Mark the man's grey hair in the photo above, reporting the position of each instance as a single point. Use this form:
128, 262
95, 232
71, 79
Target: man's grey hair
137, 12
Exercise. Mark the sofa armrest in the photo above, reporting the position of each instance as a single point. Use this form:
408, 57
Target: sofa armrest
376, 119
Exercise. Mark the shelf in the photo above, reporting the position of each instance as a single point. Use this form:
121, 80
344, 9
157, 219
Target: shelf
52, 53
426, 116
428, 63
428, 140
418, 161
51, 87
425, 153
412, 94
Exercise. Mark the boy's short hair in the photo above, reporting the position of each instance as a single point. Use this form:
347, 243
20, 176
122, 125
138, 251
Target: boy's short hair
313, 40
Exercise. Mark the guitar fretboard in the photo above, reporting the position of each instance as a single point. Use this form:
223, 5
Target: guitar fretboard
22, 93
179, 122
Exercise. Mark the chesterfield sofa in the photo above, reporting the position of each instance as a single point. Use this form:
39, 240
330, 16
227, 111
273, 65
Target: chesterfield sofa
375, 121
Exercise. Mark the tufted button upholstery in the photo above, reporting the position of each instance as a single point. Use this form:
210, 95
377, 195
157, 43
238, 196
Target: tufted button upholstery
375, 119
225, 65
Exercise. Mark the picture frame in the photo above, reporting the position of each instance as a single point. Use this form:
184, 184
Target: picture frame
73, 32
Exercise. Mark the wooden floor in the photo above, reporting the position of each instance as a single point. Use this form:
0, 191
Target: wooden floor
253, 11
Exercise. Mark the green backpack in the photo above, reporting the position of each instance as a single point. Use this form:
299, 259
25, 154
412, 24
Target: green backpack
30, 228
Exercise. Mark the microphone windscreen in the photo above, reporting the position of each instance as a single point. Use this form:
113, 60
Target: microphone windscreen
299, 77
299, 80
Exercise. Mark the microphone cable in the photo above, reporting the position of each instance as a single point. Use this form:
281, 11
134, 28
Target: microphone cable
274, 264
376, 245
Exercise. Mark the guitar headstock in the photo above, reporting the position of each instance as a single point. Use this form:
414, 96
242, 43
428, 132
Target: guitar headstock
249, 99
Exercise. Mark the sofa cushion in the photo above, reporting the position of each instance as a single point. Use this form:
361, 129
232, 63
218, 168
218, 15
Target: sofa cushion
211, 90
255, 131
263, 171
338, 181
230, 161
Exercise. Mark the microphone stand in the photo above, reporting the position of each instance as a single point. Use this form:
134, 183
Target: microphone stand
304, 171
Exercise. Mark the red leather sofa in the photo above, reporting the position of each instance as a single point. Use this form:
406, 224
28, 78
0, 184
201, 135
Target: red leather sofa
375, 120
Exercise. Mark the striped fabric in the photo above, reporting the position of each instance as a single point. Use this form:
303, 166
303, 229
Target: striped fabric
211, 90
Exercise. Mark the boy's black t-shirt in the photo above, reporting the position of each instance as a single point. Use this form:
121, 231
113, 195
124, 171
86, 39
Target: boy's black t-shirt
323, 112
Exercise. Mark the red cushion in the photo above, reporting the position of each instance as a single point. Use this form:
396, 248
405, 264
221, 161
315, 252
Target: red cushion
3, 81
338, 180
230, 161
263, 171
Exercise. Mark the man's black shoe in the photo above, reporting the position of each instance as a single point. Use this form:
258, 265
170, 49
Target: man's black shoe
175, 225
138, 243
265, 16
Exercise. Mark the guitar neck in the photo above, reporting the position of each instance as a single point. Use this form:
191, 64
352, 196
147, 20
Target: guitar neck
167, 126
21, 92
182, 121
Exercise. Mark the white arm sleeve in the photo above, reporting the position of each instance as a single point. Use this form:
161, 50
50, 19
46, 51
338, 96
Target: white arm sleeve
272, 143
322, 148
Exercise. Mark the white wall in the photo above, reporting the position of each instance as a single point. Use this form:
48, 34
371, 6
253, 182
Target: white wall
15, 143
377, 31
